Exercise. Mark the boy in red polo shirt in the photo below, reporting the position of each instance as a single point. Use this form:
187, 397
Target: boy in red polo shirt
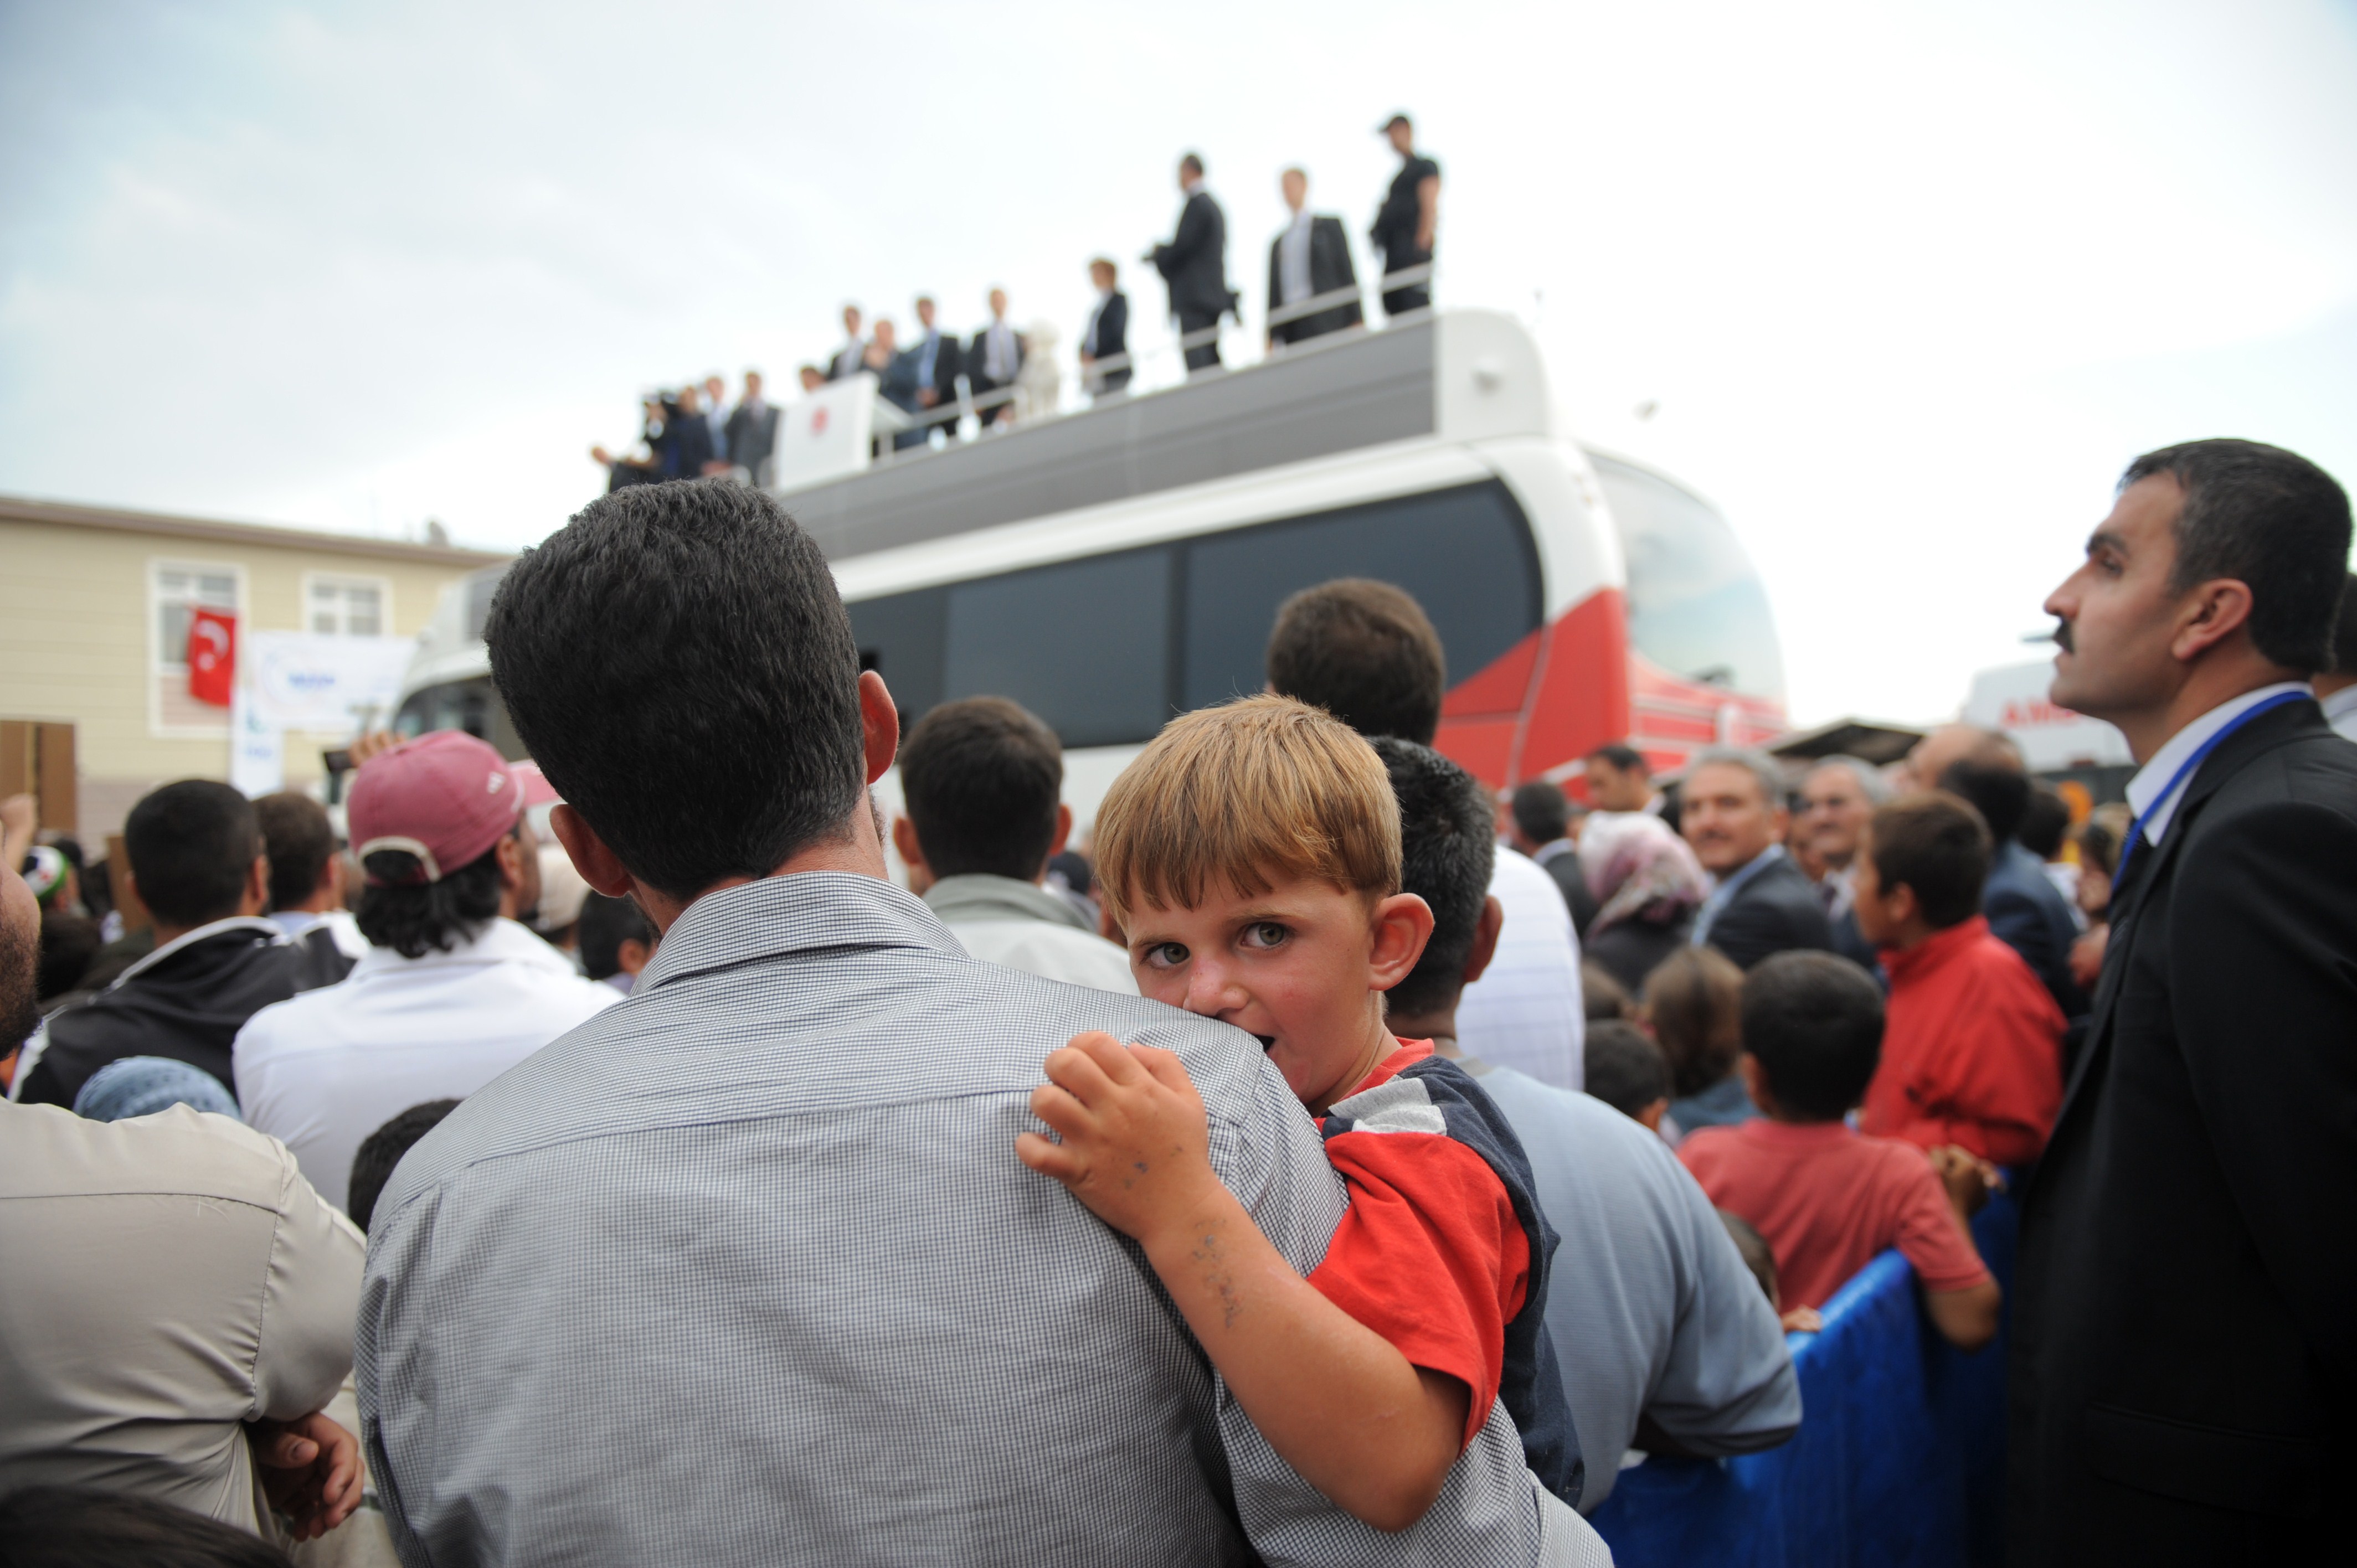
1827, 1198
1971, 1054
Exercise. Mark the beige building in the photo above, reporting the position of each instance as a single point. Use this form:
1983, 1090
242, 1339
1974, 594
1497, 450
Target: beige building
94, 606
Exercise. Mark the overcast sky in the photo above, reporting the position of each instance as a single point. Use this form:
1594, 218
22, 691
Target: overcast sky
1906, 285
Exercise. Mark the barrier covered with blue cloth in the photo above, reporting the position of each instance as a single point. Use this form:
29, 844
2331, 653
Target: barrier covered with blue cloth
1900, 1459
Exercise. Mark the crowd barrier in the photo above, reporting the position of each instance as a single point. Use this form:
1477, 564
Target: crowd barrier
1900, 1459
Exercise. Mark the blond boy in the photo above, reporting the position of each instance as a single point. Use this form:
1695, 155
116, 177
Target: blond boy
1252, 855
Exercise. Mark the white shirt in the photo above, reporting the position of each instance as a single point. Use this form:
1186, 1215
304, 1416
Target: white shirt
1524, 1012
340, 923
2144, 789
2340, 712
1293, 260
323, 1070
1051, 953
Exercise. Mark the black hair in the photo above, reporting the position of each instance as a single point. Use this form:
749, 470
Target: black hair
1447, 846
2045, 824
1623, 757
193, 845
20, 981
1813, 1023
1192, 161
299, 838
2271, 519
678, 661
2344, 629
1365, 652
1602, 996
69, 945
605, 924
1998, 792
1625, 1069
82, 1527
412, 916
1541, 812
982, 778
1753, 1249
1693, 1000
1938, 845
380, 1151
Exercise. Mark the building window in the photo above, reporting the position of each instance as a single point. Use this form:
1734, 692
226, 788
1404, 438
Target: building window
346, 606
176, 590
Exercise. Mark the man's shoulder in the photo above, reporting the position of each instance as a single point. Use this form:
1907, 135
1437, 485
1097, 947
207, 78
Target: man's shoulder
50, 1152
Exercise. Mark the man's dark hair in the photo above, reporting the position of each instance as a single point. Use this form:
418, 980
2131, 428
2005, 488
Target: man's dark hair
606, 925
299, 838
82, 1527
982, 778
2000, 792
193, 845
1938, 845
413, 917
1365, 652
1602, 996
2271, 519
1541, 812
1193, 164
679, 663
1625, 1069
1623, 757
69, 945
2045, 824
380, 1151
1813, 1023
2344, 629
21, 978
1448, 843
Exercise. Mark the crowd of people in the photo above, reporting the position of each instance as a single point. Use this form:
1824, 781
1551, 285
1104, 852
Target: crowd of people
998, 376
612, 1157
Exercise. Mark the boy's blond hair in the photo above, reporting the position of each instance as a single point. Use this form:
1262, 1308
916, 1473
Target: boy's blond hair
1252, 791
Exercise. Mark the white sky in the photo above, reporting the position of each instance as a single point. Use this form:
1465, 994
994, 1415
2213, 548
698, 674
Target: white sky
1909, 285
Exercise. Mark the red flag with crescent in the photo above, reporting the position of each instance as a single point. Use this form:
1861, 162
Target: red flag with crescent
212, 655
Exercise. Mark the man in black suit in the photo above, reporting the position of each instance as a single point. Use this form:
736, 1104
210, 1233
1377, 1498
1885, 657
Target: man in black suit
1310, 258
2182, 1368
1733, 815
753, 430
846, 361
1195, 265
939, 360
1538, 824
1408, 224
1106, 336
995, 355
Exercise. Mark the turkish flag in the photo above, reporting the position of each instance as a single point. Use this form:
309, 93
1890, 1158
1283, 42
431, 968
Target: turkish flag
212, 656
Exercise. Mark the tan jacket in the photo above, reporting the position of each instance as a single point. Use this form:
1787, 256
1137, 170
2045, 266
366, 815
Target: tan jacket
163, 1279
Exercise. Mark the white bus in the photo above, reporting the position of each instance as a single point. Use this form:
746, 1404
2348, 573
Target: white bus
1110, 568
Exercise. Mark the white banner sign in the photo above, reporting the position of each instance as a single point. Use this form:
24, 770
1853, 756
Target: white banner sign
325, 685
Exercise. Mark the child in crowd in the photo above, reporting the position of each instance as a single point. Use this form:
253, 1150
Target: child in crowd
1827, 1198
1252, 855
1762, 1261
1627, 1072
1693, 1007
1972, 1052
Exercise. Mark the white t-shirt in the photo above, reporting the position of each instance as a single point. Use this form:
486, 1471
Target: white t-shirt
1525, 1012
325, 1068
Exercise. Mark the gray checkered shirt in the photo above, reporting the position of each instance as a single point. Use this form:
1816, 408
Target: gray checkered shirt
745, 1270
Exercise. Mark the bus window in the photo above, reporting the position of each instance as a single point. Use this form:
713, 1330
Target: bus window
1695, 606
1465, 553
1083, 644
899, 638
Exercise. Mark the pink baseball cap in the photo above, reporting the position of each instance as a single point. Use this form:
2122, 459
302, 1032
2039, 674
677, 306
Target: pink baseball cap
537, 789
446, 797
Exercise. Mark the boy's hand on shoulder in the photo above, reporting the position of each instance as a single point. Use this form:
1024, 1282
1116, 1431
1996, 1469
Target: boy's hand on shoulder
1135, 1143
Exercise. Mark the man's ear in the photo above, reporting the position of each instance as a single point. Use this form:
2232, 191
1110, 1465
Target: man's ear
1063, 831
912, 853
879, 718
1755, 1082
256, 897
597, 864
2213, 612
1485, 937
1402, 925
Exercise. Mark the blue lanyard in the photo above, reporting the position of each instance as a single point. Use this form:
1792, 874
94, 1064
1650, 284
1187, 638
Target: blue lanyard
2185, 771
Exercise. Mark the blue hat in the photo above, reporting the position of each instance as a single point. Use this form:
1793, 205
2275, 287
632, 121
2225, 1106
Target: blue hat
141, 1086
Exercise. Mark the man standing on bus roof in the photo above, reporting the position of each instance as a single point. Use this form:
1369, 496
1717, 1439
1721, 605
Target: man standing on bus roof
1409, 221
1194, 263
1310, 258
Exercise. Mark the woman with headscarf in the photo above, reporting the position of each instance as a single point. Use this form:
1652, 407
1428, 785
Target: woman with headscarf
1647, 884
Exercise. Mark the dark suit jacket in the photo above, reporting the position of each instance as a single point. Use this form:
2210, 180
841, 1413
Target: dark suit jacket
752, 437
1629, 951
1195, 261
1572, 883
1113, 338
2182, 1367
686, 446
1775, 912
1329, 269
2027, 913
974, 361
949, 363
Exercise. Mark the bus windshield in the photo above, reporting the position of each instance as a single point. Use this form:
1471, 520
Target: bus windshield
1695, 606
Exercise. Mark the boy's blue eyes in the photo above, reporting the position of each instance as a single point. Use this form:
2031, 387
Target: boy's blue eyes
1266, 934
